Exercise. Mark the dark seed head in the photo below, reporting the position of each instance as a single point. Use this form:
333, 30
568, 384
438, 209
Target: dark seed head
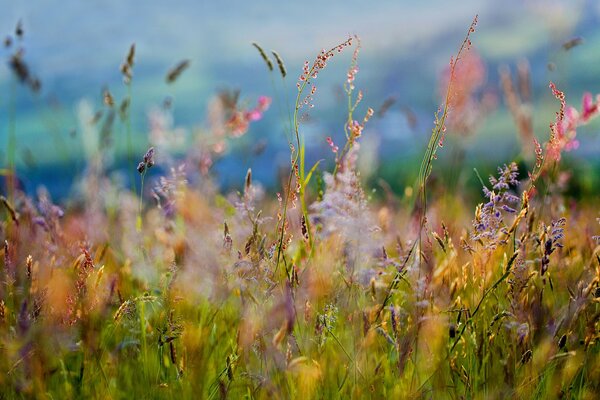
452, 331
526, 357
562, 341
19, 29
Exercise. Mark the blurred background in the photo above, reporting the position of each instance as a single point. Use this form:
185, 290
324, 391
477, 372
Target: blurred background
76, 48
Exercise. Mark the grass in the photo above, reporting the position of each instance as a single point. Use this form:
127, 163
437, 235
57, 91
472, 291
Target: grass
322, 292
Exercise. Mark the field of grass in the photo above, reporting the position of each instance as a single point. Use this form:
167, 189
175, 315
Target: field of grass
147, 287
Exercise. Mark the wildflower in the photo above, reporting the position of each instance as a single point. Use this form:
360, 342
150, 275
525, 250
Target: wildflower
551, 238
563, 131
332, 145
488, 216
310, 72
169, 190
148, 161
240, 120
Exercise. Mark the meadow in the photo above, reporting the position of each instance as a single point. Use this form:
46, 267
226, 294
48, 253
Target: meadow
159, 285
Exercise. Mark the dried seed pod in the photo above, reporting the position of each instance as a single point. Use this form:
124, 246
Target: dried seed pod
280, 63
562, 341
176, 71
264, 56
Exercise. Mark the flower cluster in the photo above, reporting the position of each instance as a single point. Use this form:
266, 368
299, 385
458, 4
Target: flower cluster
325, 323
240, 119
356, 128
343, 207
489, 216
550, 237
147, 162
563, 131
310, 72
353, 70
169, 189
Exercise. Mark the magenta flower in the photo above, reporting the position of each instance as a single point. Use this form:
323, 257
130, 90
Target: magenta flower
568, 119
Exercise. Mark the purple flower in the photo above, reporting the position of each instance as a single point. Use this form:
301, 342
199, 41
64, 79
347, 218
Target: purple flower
148, 161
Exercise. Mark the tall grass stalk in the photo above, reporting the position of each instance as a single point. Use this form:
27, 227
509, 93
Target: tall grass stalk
435, 141
298, 153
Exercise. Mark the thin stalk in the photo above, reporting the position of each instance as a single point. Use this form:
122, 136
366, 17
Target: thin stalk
298, 155
141, 306
129, 139
139, 220
11, 147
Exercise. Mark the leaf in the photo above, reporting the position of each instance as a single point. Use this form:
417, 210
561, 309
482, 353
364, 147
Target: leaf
309, 175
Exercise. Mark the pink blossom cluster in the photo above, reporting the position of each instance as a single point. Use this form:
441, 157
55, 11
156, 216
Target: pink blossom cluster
564, 130
356, 127
240, 120
310, 72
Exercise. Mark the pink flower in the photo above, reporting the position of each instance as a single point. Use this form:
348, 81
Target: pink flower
588, 108
568, 119
253, 115
239, 121
263, 103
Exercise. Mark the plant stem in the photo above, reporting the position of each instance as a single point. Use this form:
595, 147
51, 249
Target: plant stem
139, 220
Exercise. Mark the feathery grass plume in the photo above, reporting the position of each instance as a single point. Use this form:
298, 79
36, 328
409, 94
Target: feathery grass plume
127, 66
176, 71
264, 56
280, 63
489, 225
